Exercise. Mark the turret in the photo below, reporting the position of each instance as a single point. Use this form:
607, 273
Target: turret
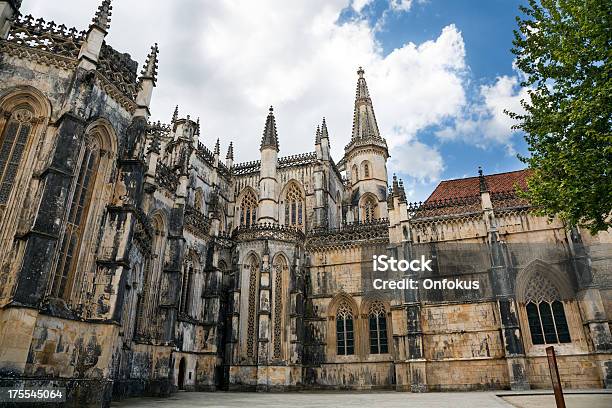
90, 49
8, 11
146, 83
268, 184
366, 157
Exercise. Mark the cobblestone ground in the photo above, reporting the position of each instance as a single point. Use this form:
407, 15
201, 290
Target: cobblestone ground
365, 400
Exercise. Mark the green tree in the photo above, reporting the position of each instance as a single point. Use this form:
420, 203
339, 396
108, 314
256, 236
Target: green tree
564, 48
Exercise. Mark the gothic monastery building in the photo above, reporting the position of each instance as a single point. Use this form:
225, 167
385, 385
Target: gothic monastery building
135, 260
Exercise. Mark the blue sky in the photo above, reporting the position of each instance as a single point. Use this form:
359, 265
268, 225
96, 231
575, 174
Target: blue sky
439, 71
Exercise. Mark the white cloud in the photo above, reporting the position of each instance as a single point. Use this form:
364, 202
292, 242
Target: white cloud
358, 5
485, 122
401, 5
419, 160
228, 61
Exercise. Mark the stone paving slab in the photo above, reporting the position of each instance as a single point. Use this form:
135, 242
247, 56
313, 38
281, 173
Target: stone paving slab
322, 400
571, 401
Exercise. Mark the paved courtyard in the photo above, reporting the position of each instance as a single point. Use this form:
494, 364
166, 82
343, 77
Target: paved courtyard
366, 400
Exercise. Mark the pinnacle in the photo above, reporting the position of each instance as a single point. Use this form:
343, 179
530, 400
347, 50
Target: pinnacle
149, 70
324, 133
102, 16
364, 120
318, 135
217, 147
230, 151
270, 137
175, 114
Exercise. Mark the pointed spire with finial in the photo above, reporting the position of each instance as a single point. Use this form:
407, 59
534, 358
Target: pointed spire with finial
217, 148
149, 69
155, 145
175, 115
324, 133
482, 181
270, 137
318, 135
102, 16
364, 120
230, 152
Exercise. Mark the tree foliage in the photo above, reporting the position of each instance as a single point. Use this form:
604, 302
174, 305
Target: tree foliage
564, 49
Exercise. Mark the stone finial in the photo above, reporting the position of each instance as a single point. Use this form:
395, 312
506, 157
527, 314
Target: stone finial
318, 135
175, 115
230, 152
270, 137
102, 16
149, 69
217, 148
482, 181
197, 128
155, 146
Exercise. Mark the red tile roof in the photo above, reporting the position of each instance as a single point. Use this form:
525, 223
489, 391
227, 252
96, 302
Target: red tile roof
469, 187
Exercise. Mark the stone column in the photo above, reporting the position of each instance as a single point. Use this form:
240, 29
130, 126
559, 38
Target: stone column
42, 239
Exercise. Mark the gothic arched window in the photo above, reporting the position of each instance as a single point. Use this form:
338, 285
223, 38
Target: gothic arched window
248, 209
378, 328
355, 174
545, 312
70, 245
294, 206
369, 209
366, 169
12, 147
345, 342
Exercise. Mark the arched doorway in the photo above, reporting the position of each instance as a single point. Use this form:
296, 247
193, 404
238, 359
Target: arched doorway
181, 374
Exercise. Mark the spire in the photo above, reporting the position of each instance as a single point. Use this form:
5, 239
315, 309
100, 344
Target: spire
102, 17
270, 138
324, 134
364, 121
230, 152
318, 135
217, 147
175, 114
149, 69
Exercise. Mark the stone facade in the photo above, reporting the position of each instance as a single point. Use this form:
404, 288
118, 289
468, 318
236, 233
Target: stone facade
134, 261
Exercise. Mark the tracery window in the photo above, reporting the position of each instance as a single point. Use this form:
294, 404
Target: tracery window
75, 221
253, 267
545, 313
280, 266
378, 328
248, 209
294, 206
369, 209
13, 143
345, 342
